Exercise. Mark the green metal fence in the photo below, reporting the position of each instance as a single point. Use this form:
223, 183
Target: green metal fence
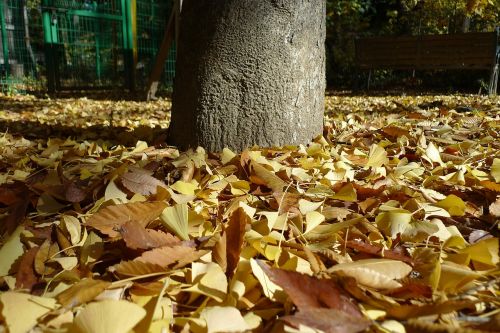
82, 44
18, 61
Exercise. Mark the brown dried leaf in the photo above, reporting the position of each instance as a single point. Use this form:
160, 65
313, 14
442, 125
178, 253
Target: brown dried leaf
138, 237
235, 233
403, 312
165, 256
379, 251
26, 276
109, 219
73, 193
310, 292
137, 268
45, 253
268, 178
141, 181
327, 320
82, 292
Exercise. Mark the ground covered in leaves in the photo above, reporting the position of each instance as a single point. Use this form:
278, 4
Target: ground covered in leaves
388, 223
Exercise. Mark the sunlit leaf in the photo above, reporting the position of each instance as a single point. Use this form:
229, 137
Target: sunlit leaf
375, 273
109, 317
109, 219
21, 311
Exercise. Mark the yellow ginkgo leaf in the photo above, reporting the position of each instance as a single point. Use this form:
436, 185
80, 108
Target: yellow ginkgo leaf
495, 169
223, 319
109, 316
184, 187
176, 219
11, 250
432, 153
375, 273
21, 311
393, 222
313, 219
377, 157
453, 204
346, 193
484, 252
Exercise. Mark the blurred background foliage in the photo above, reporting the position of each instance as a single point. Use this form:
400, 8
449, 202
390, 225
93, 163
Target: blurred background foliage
349, 19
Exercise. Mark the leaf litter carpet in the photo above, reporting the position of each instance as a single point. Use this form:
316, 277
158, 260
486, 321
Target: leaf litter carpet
387, 223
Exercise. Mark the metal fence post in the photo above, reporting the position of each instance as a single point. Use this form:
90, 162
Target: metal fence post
129, 8
5, 45
50, 45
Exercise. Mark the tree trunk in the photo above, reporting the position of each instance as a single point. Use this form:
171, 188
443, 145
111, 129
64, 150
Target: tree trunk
249, 72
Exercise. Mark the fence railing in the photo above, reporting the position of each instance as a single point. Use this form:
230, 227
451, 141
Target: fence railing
59, 45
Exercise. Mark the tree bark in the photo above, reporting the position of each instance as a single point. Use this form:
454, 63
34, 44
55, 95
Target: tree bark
249, 72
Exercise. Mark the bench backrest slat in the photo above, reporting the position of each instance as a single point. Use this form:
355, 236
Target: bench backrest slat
457, 51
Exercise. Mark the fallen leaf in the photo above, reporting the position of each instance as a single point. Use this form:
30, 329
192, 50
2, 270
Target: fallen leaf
108, 220
109, 317
310, 292
223, 319
22, 311
179, 255
138, 237
26, 276
141, 181
82, 292
176, 219
375, 273
327, 320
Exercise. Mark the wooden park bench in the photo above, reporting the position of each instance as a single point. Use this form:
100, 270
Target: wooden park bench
455, 51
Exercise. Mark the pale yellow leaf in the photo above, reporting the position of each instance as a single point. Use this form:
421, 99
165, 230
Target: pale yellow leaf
109, 316
113, 192
21, 311
454, 277
393, 222
433, 154
227, 155
306, 206
495, 169
176, 219
375, 273
73, 227
271, 290
11, 251
313, 219
377, 157
223, 319
209, 280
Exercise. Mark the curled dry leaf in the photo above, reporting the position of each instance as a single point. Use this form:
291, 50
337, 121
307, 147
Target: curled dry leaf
108, 220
